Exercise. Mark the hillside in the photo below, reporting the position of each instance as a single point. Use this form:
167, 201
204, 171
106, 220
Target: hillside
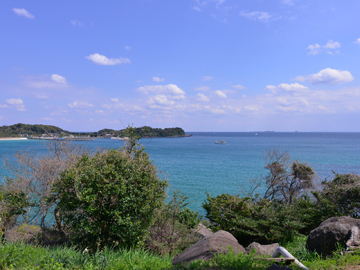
34, 130
37, 130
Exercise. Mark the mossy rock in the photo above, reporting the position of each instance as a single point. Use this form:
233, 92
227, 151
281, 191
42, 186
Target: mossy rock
24, 233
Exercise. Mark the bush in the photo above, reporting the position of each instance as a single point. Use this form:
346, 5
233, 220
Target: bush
109, 199
172, 230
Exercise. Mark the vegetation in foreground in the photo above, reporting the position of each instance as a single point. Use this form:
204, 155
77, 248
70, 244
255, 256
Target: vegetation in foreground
110, 207
24, 256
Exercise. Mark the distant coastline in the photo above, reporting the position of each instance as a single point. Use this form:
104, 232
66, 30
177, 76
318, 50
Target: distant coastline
11, 138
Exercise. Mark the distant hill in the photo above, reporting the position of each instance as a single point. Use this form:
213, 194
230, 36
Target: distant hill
34, 130
37, 130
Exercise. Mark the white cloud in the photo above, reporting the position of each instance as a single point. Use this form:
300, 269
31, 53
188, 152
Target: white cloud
127, 48
202, 88
314, 49
103, 60
327, 76
257, 15
294, 87
288, 2
77, 23
17, 103
41, 96
221, 94
54, 81
114, 99
58, 79
47, 119
80, 104
202, 97
332, 44
161, 100
170, 89
157, 79
238, 86
357, 41
329, 48
23, 12
207, 78
197, 9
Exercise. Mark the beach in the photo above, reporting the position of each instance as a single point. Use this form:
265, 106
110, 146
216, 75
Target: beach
11, 138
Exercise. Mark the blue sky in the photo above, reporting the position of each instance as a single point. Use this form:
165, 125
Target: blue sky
203, 65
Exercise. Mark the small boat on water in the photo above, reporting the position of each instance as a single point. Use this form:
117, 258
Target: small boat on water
220, 142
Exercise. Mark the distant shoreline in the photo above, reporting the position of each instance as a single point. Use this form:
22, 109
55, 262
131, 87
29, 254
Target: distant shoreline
11, 138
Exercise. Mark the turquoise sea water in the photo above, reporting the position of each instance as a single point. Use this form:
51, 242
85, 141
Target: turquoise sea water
196, 164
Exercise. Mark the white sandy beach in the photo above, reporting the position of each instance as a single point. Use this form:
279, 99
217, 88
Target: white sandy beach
9, 138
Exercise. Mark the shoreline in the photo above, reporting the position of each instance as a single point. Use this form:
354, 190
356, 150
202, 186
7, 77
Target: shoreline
11, 139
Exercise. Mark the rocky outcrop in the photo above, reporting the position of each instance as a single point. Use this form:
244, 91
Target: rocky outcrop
202, 231
261, 249
205, 249
333, 231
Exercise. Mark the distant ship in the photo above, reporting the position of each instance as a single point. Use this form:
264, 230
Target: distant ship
220, 142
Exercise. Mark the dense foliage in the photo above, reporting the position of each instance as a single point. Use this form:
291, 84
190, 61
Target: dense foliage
109, 199
287, 208
144, 132
35, 130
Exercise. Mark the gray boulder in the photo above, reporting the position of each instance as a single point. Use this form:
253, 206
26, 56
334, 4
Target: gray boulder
205, 249
333, 231
262, 249
202, 231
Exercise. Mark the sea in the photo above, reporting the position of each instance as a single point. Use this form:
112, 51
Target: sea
196, 165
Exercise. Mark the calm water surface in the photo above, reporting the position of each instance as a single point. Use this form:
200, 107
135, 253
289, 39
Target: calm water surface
196, 164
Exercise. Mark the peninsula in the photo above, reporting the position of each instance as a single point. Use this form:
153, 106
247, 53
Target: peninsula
25, 130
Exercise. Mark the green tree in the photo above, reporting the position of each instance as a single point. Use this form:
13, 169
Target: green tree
109, 199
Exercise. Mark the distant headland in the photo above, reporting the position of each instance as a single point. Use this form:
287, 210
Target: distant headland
48, 131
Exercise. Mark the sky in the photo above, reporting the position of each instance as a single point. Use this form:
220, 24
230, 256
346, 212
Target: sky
203, 65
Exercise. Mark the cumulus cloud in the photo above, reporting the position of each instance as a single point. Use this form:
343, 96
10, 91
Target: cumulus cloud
327, 76
17, 103
201, 97
288, 2
157, 79
197, 8
202, 88
41, 96
357, 41
160, 100
23, 12
238, 87
207, 78
258, 16
80, 104
329, 48
103, 60
58, 79
332, 44
293, 87
127, 48
77, 23
114, 99
314, 49
220, 94
171, 90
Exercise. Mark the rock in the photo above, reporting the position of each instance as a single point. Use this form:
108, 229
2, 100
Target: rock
332, 231
24, 233
262, 249
202, 231
276, 267
205, 249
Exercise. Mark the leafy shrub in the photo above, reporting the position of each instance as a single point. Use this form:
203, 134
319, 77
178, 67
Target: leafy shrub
109, 199
172, 230
249, 220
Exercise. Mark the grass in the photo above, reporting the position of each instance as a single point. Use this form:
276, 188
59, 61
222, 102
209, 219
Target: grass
29, 257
